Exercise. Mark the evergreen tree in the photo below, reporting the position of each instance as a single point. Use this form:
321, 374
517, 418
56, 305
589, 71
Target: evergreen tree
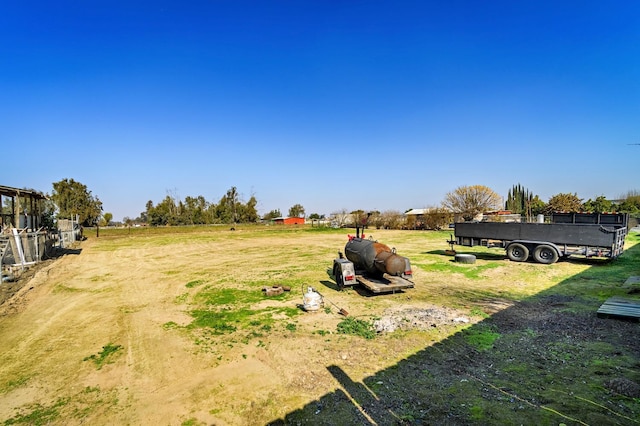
196, 210
599, 205
630, 203
296, 211
73, 198
272, 214
521, 201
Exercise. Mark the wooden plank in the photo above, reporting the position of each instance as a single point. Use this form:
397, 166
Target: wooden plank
618, 299
618, 310
18, 245
386, 284
633, 280
618, 307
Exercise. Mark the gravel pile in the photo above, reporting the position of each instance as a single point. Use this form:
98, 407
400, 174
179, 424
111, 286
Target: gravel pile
409, 318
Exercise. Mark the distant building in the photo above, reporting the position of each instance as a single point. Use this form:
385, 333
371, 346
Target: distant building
289, 220
501, 216
431, 218
415, 218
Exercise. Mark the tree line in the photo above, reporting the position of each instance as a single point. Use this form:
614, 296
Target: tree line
230, 209
198, 211
73, 199
471, 201
521, 201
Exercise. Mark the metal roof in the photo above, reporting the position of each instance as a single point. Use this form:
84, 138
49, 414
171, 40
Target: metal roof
417, 211
17, 192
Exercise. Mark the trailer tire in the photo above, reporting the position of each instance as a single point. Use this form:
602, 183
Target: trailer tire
545, 254
517, 252
465, 258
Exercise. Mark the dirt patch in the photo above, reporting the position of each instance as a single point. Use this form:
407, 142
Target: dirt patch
13, 293
418, 318
14, 289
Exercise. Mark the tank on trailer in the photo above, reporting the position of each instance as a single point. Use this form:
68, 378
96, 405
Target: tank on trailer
375, 258
374, 265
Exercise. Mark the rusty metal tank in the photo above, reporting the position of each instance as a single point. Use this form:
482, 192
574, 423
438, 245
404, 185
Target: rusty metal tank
375, 258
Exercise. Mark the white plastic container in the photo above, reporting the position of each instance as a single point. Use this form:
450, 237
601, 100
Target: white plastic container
312, 300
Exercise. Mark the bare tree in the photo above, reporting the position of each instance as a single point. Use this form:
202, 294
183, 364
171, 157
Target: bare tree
340, 217
360, 218
376, 219
392, 219
469, 201
437, 218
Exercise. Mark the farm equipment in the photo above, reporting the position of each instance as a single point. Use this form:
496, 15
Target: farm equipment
373, 265
585, 234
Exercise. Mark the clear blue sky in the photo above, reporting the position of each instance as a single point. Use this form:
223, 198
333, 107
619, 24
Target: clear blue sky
334, 105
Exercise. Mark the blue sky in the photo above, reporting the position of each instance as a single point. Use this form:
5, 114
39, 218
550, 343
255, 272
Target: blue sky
384, 105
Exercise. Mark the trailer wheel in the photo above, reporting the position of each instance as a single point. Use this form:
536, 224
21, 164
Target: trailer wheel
545, 254
337, 273
517, 252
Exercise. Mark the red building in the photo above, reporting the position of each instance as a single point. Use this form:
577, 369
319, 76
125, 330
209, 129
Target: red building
289, 220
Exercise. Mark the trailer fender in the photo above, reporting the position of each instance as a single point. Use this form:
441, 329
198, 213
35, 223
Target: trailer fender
344, 273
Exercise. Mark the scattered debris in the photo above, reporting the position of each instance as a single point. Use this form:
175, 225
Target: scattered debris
624, 387
340, 310
620, 308
408, 318
275, 290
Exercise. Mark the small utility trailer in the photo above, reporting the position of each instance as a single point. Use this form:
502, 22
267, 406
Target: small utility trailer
373, 265
346, 275
585, 234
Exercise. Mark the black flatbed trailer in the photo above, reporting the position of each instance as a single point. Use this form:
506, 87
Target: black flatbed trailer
585, 234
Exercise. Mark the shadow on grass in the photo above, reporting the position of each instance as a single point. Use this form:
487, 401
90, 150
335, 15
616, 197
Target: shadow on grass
483, 256
500, 255
330, 285
548, 359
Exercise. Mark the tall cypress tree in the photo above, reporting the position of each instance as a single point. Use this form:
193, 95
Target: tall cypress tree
519, 200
